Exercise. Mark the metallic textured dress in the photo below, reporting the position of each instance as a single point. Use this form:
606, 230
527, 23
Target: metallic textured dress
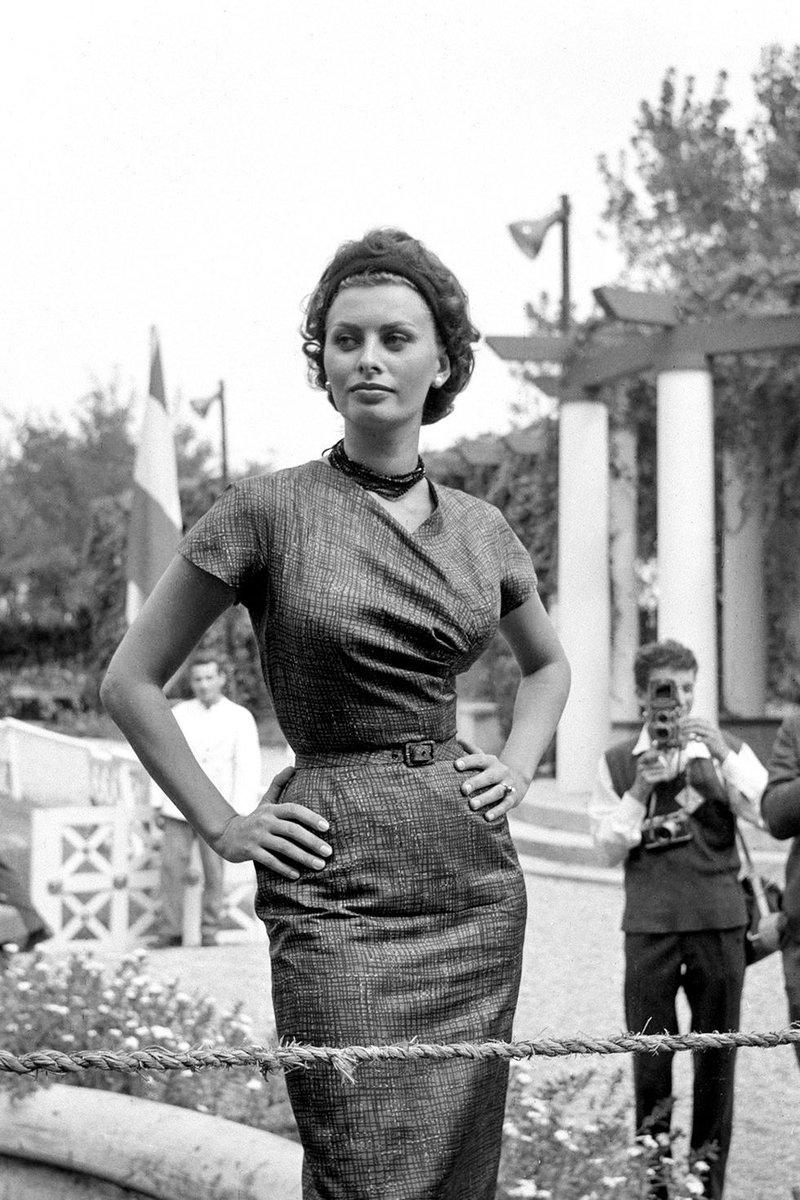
414, 928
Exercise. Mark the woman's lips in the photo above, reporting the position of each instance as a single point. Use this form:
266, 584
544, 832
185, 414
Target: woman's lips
370, 391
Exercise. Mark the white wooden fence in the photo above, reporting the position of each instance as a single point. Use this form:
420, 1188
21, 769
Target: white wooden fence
95, 843
95, 840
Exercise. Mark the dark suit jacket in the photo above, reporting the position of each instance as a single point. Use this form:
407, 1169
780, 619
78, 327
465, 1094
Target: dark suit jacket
780, 807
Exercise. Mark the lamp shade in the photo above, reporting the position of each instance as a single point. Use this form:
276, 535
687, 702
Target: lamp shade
529, 235
201, 407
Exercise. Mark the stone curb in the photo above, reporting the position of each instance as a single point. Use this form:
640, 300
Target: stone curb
159, 1150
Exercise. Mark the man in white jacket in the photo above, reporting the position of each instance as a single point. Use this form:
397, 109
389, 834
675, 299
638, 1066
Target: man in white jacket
224, 739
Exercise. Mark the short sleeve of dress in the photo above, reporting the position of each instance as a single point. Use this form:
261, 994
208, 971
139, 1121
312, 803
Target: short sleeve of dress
228, 541
517, 574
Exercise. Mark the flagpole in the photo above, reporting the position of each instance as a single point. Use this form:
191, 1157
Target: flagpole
566, 304
202, 407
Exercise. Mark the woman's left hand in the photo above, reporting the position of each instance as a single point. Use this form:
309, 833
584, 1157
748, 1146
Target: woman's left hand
496, 788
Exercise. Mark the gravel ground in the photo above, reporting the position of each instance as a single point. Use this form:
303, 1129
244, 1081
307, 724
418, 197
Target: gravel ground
573, 984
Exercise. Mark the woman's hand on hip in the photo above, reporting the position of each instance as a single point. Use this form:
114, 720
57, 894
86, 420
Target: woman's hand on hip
282, 837
494, 788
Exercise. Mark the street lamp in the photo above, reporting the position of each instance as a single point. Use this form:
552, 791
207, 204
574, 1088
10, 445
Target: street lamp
529, 236
201, 407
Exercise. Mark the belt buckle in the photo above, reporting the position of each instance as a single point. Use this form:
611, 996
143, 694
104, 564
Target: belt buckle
418, 754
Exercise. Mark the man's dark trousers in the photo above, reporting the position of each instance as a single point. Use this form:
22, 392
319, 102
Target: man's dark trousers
709, 966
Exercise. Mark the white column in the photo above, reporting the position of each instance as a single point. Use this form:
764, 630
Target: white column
743, 611
686, 566
584, 610
624, 489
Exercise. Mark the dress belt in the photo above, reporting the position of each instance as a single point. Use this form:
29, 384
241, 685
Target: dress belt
411, 754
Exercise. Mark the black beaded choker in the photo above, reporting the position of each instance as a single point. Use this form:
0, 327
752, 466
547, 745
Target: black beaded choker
389, 486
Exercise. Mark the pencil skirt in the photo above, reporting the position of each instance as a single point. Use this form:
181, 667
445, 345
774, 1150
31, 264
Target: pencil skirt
412, 931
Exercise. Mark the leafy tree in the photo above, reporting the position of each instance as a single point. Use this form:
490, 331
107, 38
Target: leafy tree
518, 473
102, 573
199, 484
49, 482
65, 492
710, 214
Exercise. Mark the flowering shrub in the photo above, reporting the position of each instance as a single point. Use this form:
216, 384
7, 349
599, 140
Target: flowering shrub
569, 1139
72, 1004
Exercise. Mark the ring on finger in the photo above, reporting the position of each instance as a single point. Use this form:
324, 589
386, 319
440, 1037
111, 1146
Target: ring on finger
508, 789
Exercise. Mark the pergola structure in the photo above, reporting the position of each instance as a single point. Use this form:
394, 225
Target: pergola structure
592, 507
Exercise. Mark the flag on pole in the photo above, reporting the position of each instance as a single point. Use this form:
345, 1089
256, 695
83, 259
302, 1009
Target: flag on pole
155, 522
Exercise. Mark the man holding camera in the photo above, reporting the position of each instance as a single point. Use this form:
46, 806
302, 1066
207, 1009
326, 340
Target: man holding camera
665, 804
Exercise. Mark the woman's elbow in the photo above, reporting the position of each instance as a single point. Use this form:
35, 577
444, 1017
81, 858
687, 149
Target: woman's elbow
560, 673
110, 690
115, 688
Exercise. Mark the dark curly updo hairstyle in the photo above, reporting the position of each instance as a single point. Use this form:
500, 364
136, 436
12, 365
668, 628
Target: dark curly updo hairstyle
391, 252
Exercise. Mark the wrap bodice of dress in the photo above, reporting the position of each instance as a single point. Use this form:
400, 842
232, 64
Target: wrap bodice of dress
362, 626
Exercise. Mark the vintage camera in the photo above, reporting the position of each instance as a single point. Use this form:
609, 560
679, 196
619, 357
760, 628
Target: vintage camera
664, 712
662, 833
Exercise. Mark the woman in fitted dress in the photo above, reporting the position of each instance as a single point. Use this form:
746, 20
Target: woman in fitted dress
386, 876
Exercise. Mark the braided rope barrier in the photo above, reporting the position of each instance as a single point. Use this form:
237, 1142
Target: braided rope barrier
346, 1058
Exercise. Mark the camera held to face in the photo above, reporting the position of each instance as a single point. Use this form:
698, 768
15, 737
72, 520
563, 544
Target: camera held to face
664, 712
664, 832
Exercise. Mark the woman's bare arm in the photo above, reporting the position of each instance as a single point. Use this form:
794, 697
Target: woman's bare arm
540, 700
182, 606
543, 688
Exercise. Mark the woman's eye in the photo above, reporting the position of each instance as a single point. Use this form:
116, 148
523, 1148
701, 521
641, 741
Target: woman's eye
344, 341
396, 339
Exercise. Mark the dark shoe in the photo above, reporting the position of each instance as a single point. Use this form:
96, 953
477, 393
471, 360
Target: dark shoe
42, 934
165, 942
31, 939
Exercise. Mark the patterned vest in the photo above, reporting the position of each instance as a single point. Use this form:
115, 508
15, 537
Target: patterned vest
693, 885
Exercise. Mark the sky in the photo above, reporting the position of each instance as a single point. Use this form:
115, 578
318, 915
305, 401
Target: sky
193, 165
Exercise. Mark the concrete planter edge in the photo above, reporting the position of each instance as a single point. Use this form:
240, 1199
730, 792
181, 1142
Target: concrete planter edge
165, 1152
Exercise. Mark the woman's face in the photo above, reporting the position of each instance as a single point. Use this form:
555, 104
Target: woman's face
382, 354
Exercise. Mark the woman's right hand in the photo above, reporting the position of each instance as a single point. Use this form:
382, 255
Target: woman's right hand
282, 837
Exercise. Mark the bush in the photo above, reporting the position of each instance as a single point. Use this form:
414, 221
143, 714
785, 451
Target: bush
569, 1139
72, 1004
565, 1139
